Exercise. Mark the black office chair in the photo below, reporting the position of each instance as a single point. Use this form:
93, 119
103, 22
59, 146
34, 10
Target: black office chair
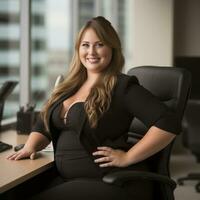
191, 138
5, 89
171, 85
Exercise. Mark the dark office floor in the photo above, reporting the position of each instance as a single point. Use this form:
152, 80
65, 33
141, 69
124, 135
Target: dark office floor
182, 164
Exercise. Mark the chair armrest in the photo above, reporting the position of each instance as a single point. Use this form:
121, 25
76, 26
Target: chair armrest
119, 178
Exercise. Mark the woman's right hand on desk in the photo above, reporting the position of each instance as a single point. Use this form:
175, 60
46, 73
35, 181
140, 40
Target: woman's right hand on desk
36, 142
23, 153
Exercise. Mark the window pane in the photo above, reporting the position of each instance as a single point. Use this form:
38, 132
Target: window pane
86, 11
119, 12
9, 52
106, 8
51, 45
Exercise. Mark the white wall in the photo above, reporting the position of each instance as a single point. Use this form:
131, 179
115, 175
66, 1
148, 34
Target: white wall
152, 42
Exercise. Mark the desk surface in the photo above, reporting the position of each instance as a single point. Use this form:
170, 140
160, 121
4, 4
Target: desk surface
12, 173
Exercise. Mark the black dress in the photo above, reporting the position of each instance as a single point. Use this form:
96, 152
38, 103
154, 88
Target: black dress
82, 177
72, 160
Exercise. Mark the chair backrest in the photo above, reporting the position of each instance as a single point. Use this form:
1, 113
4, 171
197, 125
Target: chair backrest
172, 86
191, 128
5, 90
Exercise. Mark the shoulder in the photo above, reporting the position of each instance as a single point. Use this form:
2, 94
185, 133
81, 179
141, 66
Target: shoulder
125, 81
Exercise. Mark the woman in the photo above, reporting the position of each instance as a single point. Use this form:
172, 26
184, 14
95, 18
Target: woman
87, 118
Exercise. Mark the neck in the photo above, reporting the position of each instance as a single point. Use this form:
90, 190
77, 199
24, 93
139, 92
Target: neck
92, 78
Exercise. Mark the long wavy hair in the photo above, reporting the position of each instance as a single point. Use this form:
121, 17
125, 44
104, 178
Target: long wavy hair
99, 98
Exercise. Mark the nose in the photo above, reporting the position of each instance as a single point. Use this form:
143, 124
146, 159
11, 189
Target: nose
92, 50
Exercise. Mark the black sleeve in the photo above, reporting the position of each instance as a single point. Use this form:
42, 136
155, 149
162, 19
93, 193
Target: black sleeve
142, 104
40, 127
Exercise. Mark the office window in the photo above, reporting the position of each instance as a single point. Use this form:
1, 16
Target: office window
51, 45
114, 11
9, 52
83, 14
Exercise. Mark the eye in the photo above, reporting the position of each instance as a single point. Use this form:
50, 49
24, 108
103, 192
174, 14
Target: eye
85, 45
99, 44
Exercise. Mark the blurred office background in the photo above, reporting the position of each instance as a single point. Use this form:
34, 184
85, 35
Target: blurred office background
153, 32
145, 28
54, 26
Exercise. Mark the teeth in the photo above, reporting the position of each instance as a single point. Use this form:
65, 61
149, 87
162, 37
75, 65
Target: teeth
93, 60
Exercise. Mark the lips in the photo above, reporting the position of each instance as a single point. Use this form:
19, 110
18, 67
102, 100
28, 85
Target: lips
93, 60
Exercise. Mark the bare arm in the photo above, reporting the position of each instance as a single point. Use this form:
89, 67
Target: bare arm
154, 141
36, 142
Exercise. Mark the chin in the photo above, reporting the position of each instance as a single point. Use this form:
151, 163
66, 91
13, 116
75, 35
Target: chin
94, 69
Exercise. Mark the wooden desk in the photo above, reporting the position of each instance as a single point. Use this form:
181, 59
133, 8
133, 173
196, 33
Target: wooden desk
12, 173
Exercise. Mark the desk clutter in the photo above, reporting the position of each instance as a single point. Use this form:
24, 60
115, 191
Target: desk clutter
26, 117
4, 146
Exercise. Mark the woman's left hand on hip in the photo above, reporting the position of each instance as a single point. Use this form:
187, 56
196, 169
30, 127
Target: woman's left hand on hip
111, 157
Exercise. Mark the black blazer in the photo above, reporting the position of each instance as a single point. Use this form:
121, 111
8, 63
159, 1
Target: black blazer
129, 100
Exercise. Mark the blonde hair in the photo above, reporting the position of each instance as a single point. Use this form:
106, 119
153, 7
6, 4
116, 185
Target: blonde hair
99, 98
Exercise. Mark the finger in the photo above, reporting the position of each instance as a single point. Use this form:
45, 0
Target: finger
104, 148
13, 156
109, 164
9, 156
103, 159
101, 153
20, 156
33, 156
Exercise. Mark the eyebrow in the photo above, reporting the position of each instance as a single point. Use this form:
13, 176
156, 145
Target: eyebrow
89, 42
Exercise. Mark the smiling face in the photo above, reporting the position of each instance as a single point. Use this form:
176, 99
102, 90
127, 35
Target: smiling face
93, 53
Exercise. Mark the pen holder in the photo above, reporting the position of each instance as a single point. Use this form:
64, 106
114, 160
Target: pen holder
25, 121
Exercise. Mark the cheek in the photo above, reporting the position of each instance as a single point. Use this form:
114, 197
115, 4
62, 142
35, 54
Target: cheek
108, 56
81, 54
